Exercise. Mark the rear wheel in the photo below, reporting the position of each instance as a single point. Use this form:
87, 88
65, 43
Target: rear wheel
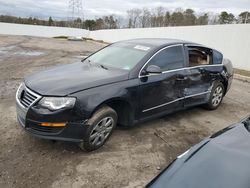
100, 127
216, 96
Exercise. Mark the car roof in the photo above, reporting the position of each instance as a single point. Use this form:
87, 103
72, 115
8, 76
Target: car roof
156, 42
221, 158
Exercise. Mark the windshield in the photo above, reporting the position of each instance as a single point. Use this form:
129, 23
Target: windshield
122, 57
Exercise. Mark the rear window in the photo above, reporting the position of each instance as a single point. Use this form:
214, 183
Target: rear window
217, 57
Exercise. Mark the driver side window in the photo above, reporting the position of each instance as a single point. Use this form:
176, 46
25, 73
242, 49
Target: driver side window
169, 59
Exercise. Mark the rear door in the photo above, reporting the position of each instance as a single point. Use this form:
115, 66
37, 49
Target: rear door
160, 93
200, 75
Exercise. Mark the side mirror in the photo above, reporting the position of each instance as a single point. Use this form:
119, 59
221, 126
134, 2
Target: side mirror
153, 69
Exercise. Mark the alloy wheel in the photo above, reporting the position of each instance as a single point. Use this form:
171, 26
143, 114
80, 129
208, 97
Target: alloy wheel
101, 131
217, 96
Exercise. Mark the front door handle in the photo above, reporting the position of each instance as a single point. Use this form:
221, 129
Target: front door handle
181, 78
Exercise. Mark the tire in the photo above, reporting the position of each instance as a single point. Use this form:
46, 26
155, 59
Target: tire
216, 96
100, 127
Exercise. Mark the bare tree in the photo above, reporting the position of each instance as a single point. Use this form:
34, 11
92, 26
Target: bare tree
213, 18
160, 15
144, 19
133, 16
202, 19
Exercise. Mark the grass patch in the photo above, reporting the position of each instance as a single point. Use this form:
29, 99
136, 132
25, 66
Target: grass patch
61, 37
83, 38
242, 72
90, 39
86, 38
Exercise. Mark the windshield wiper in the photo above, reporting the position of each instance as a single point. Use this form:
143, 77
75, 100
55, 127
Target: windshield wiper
91, 63
88, 61
104, 67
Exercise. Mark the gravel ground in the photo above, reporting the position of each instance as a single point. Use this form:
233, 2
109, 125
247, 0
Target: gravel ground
131, 158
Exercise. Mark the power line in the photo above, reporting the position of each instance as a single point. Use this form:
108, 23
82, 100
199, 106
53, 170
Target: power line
75, 9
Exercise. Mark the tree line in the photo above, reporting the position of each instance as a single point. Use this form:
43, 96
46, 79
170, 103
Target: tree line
139, 18
160, 17
106, 22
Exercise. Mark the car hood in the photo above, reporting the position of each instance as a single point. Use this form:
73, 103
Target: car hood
222, 161
67, 79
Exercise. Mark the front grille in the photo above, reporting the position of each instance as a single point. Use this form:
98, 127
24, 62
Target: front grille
27, 97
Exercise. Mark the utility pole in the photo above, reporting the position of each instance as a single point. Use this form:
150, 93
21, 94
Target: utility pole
75, 11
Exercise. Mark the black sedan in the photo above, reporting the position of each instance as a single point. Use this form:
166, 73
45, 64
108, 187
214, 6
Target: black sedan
221, 160
126, 82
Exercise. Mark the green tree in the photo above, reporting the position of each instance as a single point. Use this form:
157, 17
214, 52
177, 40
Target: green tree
77, 23
189, 17
176, 18
226, 18
100, 24
50, 22
244, 17
30, 20
167, 18
90, 24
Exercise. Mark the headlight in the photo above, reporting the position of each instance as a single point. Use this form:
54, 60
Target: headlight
56, 103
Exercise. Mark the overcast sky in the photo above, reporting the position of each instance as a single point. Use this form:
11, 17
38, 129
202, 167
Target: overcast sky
97, 8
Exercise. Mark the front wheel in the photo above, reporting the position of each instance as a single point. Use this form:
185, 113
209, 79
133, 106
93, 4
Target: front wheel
216, 96
100, 127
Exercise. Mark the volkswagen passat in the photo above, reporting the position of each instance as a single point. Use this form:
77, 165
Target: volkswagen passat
124, 83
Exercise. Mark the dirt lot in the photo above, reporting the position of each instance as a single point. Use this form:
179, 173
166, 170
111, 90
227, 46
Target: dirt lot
129, 159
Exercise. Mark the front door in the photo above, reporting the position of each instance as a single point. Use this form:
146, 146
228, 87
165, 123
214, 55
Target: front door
163, 92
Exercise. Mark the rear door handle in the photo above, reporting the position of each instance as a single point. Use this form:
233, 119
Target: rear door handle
202, 70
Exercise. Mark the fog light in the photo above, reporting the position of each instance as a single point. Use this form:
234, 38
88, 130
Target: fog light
53, 124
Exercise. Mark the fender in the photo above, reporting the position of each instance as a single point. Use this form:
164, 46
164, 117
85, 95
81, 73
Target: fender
89, 100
